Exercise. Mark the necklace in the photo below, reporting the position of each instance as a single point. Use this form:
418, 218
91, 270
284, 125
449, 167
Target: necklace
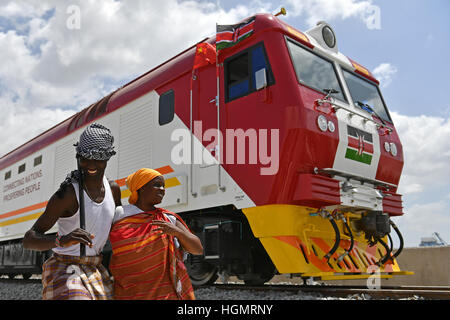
89, 195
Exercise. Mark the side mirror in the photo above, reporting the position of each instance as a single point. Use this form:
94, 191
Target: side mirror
260, 79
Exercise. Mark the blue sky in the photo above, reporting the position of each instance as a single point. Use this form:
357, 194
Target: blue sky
50, 71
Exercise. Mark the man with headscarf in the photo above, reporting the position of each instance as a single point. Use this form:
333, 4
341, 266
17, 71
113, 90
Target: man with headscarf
67, 275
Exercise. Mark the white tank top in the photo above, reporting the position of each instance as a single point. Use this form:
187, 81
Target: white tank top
98, 217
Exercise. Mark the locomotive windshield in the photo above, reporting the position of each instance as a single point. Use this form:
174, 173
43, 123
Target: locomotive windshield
365, 93
314, 71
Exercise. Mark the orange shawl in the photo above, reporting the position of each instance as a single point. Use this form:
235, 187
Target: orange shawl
145, 264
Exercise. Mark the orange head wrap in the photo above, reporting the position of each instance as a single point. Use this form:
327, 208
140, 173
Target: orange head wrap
137, 180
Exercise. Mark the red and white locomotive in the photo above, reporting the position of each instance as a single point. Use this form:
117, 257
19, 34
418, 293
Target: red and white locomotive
293, 169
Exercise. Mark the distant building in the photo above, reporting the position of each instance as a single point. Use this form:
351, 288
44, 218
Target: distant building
433, 241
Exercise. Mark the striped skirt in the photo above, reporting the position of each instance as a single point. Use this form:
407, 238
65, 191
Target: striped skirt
76, 278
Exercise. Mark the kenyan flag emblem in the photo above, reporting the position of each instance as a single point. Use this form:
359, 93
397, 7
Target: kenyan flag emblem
229, 35
360, 145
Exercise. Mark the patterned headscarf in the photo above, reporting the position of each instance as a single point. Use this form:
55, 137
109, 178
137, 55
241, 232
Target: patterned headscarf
96, 142
137, 180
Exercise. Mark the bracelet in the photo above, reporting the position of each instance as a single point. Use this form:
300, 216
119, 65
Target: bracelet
57, 241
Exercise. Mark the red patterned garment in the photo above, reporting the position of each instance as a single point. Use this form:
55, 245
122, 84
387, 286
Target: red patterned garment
145, 263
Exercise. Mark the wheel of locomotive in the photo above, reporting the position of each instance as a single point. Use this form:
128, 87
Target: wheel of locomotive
260, 278
26, 276
263, 268
200, 272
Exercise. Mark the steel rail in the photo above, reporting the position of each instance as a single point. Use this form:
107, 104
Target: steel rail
384, 292
20, 281
342, 291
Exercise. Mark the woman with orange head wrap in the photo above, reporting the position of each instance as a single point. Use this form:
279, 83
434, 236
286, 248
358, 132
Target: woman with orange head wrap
148, 243
137, 180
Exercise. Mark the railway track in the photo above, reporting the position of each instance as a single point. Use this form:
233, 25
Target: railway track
385, 292
20, 281
340, 291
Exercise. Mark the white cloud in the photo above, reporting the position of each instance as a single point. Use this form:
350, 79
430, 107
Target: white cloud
317, 10
425, 180
426, 145
23, 8
411, 187
422, 220
384, 73
26, 124
52, 68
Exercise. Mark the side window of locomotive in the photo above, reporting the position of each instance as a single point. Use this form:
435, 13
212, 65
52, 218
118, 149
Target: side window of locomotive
166, 107
314, 71
8, 175
241, 72
238, 80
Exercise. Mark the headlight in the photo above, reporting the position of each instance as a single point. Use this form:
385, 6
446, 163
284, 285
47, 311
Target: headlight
393, 149
328, 36
322, 123
387, 146
331, 126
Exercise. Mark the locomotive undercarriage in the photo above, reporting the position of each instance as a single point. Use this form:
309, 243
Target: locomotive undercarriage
254, 244
16, 260
230, 249
327, 244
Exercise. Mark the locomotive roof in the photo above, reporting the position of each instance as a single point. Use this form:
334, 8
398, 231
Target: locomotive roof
151, 80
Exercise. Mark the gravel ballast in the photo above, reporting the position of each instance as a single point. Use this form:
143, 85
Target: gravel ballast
33, 291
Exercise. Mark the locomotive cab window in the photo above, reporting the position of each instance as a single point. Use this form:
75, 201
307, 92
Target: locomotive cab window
364, 92
8, 175
238, 77
166, 107
244, 71
314, 71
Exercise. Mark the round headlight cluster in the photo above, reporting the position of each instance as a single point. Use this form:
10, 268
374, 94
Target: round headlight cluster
390, 147
322, 123
325, 124
331, 126
328, 36
393, 149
